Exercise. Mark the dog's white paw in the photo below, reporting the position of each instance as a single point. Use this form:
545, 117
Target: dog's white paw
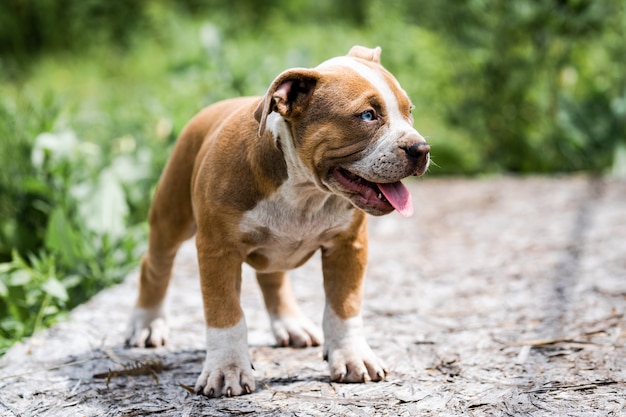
349, 357
227, 380
296, 331
147, 328
227, 368
354, 361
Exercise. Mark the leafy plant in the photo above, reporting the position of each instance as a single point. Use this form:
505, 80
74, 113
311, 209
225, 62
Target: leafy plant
31, 295
87, 243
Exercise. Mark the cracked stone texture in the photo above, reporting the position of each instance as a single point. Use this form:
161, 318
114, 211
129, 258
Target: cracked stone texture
500, 296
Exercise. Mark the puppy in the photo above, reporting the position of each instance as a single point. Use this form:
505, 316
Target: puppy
269, 181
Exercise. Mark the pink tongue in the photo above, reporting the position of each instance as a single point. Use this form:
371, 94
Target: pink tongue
399, 197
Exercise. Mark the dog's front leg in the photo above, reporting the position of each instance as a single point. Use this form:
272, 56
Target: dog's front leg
227, 368
349, 356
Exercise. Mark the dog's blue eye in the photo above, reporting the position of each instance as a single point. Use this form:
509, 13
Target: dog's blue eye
368, 115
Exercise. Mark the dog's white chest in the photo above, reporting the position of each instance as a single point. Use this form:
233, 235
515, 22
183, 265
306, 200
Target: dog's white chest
284, 230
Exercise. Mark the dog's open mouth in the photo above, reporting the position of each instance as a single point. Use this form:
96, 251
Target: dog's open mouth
381, 196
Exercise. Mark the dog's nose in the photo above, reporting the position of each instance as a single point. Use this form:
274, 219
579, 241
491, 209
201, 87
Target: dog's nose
417, 150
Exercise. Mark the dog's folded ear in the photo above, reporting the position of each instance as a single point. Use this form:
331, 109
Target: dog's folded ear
288, 95
368, 54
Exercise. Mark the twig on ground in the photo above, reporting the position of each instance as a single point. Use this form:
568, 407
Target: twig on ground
187, 388
580, 387
149, 367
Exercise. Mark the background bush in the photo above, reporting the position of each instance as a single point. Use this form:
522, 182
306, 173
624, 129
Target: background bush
94, 92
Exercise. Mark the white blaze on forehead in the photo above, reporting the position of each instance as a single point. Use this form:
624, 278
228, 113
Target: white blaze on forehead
376, 79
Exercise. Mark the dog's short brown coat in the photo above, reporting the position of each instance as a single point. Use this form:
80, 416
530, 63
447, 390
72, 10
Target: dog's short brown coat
263, 180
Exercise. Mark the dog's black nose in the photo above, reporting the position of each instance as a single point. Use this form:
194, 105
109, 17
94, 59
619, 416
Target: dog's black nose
417, 150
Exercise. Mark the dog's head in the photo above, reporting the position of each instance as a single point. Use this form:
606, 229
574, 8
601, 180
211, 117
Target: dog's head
349, 123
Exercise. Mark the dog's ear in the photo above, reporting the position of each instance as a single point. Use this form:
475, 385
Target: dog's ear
366, 53
288, 95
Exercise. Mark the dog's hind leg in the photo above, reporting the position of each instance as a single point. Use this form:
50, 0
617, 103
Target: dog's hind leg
290, 326
171, 223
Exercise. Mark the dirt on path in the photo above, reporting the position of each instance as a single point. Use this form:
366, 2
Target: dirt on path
501, 296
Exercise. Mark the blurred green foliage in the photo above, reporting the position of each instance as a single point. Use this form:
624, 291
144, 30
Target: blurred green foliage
94, 92
544, 88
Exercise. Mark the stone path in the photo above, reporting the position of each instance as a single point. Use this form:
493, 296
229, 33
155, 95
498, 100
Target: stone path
500, 296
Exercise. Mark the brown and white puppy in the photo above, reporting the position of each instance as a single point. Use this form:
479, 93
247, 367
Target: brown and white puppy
269, 181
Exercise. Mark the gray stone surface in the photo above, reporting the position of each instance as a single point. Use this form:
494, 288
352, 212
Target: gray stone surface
500, 296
